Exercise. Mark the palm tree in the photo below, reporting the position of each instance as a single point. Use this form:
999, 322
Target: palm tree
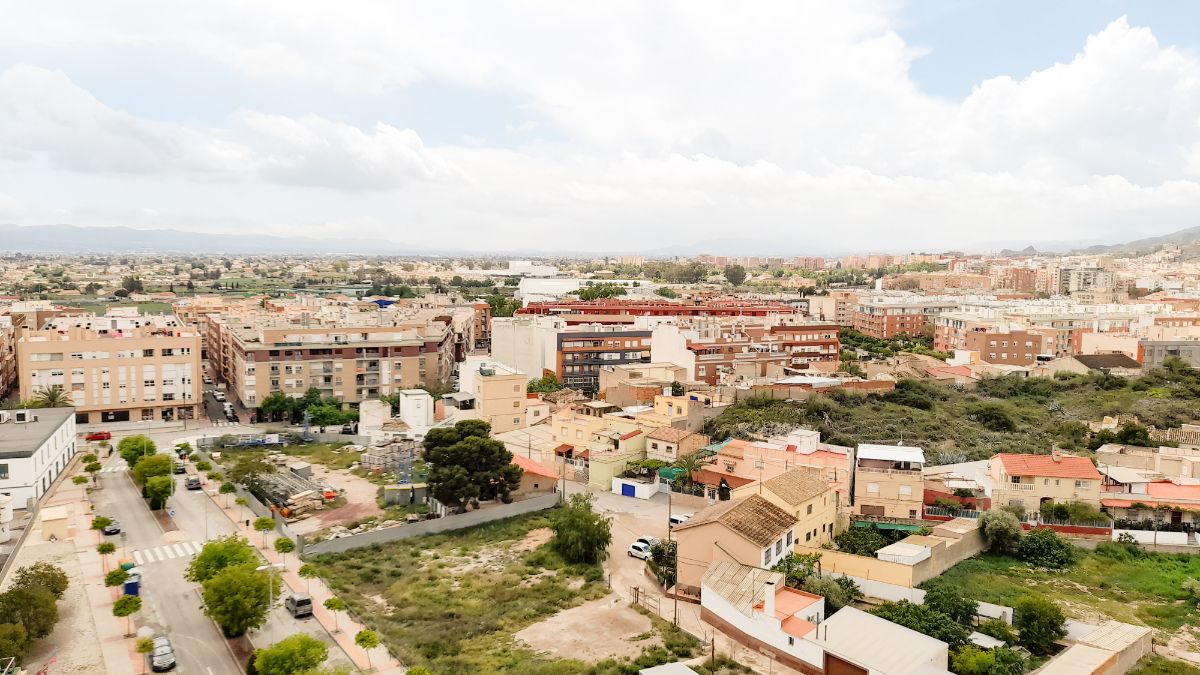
53, 397
688, 464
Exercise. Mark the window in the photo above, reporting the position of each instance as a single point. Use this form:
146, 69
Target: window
873, 487
3, 471
147, 353
778, 546
1082, 484
810, 509
767, 558
906, 490
516, 420
807, 536
789, 539
516, 404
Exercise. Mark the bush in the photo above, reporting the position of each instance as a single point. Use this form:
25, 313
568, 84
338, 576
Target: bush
971, 660
1001, 531
838, 592
993, 416
1039, 622
580, 534
861, 540
1044, 548
44, 575
924, 620
998, 629
946, 600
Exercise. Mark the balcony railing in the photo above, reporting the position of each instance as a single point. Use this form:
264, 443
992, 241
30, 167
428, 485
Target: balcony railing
1023, 487
899, 472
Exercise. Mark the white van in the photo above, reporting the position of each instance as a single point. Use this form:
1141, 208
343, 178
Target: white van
679, 519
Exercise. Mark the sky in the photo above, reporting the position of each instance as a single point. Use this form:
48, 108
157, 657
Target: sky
769, 127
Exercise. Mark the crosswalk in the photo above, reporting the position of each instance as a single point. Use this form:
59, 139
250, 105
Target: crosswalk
166, 552
121, 468
223, 423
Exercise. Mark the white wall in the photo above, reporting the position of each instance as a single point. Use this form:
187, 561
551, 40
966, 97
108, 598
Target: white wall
668, 344
640, 490
416, 408
519, 342
763, 629
29, 478
1151, 537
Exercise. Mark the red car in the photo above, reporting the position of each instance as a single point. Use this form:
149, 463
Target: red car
98, 436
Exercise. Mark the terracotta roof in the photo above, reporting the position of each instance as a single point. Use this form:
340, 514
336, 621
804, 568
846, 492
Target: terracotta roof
631, 434
753, 518
531, 467
1067, 466
1173, 491
1151, 502
669, 434
796, 486
563, 449
1103, 361
713, 479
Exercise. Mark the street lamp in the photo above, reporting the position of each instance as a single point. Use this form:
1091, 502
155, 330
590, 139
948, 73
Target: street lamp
270, 590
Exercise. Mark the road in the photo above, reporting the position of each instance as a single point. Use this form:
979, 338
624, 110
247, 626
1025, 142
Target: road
172, 605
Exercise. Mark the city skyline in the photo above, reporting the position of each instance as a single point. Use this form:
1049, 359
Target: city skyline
864, 127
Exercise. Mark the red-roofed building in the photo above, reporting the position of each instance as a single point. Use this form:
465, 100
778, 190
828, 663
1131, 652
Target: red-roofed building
1031, 480
1163, 501
535, 480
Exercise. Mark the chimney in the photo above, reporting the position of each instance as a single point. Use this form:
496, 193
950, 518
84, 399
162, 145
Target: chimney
769, 599
1056, 455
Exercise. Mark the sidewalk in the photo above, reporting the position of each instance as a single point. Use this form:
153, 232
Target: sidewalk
380, 659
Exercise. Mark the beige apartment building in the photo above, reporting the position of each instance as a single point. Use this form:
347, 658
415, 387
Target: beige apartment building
888, 481
353, 363
668, 444
804, 494
1029, 480
117, 368
8, 355
500, 397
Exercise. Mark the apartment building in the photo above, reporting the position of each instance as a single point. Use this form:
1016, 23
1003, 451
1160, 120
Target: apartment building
575, 354
483, 325
885, 317
500, 398
351, 362
1027, 481
662, 308
716, 351
888, 481
837, 307
118, 367
193, 310
35, 447
8, 355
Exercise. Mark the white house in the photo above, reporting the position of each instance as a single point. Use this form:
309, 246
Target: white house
35, 446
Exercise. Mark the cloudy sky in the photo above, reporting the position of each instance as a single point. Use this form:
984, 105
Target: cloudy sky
610, 126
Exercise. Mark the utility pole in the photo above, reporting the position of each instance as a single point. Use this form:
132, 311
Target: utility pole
675, 552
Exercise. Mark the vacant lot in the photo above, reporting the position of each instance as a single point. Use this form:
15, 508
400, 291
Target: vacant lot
329, 455
1145, 589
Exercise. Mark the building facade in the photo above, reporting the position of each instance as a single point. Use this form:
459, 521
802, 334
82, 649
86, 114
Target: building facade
500, 397
888, 481
35, 447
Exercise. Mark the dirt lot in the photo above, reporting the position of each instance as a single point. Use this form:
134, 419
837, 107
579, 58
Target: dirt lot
360, 500
592, 632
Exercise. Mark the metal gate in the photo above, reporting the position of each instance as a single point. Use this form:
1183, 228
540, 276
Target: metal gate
649, 601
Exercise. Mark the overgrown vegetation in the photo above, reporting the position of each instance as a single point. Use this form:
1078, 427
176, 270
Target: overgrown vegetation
1003, 414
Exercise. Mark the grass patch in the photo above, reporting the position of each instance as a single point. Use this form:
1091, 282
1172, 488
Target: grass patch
324, 454
1139, 590
1158, 665
452, 602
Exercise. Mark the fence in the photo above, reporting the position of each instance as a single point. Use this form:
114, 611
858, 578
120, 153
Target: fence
452, 522
1063, 526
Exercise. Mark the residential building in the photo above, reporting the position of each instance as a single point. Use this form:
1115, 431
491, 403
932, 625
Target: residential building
859, 643
750, 531
638, 383
536, 480
668, 444
888, 481
483, 325
661, 308
1013, 347
720, 351
1113, 364
119, 367
35, 446
541, 345
500, 397
805, 494
1027, 481
1155, 352
838, 306
8, 355
889, 316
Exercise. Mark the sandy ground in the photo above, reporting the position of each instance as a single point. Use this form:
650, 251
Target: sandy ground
72, 645
591, 632
360, 501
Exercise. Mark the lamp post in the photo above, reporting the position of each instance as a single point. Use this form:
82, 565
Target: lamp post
269, 569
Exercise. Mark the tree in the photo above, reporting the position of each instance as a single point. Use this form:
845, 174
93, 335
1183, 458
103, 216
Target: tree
735, 274
1042, 547
132, 285
44, 575
154, 465
368, 640
203, 466
275, 405
227, 489
666, 292
924, 620
291, 655
543, 385
79, 480
106, 548
116, 577
158, 489
335, 605
861, 540
677, 389
133, 448
580, 534
308, 573
796, 567
52, 397
125, 607
469, 465
237, 598
1001, 531
34, 608
144, 646
14, 641
837, 591
219, 554
101, 522
264, 524
944, 599
1039, 623
241, 501
971, 660
92, 468
999, 629
284, 546
246, 470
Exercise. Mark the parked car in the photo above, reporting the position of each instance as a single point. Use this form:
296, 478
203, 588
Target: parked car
347, 429
193, 483
112, 528
180, 467
679, 519
648, 540
639, 549
231, 416
219, 395
162, 658
298, 605
98, 436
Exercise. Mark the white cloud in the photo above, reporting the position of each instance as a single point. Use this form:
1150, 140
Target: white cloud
678, 121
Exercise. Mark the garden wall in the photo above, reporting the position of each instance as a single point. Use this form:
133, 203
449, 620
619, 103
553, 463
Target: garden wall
452, 522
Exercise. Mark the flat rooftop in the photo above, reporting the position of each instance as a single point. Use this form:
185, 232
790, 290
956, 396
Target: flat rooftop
20, 440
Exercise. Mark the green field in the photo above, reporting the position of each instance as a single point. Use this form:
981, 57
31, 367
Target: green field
1145, 590
97, 307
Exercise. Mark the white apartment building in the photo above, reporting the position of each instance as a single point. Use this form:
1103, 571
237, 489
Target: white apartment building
35, 446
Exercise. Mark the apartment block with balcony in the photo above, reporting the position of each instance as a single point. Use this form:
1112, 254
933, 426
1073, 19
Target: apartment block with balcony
887, 316
715, 351
117, 368
1027, 481
352, 363
888, 481
581, 354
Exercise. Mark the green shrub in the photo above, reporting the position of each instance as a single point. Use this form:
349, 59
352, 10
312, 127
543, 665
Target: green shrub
1042, 547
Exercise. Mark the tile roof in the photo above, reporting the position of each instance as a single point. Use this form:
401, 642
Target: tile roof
1173, 491
1101, 361
753, 518
669, 434
1067, 466
796, 486
531, 467
631, 434
741, 585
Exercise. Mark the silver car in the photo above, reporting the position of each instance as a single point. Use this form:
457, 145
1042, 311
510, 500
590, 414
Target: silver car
162, 658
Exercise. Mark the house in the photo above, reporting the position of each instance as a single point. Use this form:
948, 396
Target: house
750, 531
35, 446
536, 480
1028, 481
1113, 364
668, 444
756, 608
856, 642
888, 481
803, 493
1160, 501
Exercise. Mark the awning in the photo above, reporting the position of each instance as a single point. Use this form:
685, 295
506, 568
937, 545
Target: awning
887, 526
564, 449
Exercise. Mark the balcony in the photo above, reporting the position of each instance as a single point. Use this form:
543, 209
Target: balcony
1021, 487
898, 472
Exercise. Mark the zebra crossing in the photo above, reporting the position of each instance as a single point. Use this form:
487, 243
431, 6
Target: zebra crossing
146, 556
120, 468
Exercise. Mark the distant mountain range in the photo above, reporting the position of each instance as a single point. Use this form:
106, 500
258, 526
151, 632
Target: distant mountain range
76, 239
